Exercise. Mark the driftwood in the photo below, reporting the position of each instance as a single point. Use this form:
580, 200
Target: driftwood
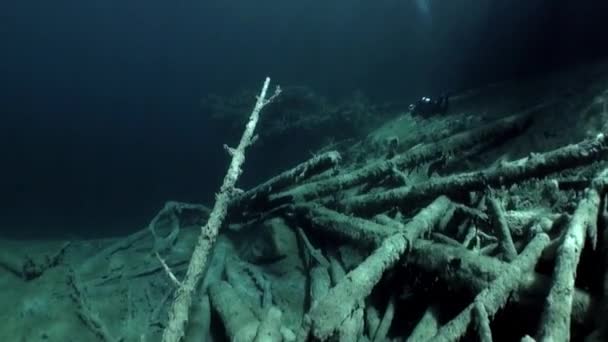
536, 165
476, 272
555, 321
495, 296
486, 135
355, 229
320, 283
330, 312
381, 333
239, 320
178, 314
300, 173
501, 227
482, 322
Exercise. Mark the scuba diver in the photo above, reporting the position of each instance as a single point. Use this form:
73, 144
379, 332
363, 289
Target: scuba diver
427, 107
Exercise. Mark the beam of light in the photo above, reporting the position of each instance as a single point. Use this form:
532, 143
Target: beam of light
424, 9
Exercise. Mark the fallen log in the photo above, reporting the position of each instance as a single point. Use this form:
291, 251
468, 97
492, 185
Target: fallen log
496, 295
250, 199
330, 312
486, 135
555, 320
475, 273
533, 166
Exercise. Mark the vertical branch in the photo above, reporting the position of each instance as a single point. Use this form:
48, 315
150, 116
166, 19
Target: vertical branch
555, 320
178, 313
501, 227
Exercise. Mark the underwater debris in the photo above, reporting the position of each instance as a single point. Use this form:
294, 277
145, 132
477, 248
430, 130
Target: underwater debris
416, 240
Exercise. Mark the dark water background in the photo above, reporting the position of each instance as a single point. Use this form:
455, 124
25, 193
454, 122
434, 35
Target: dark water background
100, 120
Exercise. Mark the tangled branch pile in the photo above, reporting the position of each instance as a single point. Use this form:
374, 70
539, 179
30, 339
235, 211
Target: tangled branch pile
388, 240
507, 237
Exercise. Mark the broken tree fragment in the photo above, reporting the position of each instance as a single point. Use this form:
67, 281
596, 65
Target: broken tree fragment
179, 311
533, 166
496, 295
601, 331
482, 322
239, 320
330, 312
555, 320
255, 197
476, 272
385, 324
320, 283
355, 229
501, 227
490, 134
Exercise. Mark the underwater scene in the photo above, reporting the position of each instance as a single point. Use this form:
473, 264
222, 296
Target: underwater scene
316, 170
